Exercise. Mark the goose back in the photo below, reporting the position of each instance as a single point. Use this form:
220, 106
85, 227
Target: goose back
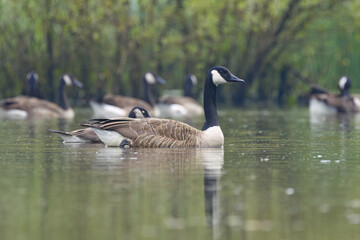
324, 102
117, 106
181, 106
151, 133
88, 135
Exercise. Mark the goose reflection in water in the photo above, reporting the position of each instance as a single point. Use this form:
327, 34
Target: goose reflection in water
186, 161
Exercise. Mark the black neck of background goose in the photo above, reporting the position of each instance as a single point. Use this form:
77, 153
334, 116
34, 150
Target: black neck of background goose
32, 88
63, 103
188, 87
148, 93
211, 117
345, 93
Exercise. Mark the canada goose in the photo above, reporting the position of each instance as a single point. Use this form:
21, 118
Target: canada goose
32, 79
181, 106
32, 107
324, 102
118, 106
156, 133
87, 135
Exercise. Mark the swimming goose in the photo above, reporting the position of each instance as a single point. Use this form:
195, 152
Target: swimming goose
87, 135
32, 107
118, 106
157, 133
32, 79
324, 102
181, 106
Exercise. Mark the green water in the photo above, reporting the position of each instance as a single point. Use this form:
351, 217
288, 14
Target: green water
281, 175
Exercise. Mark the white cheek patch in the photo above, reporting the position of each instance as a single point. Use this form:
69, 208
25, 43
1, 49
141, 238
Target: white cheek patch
193, 80
67, 80
138, 113
342, 82
217, 78
150, 79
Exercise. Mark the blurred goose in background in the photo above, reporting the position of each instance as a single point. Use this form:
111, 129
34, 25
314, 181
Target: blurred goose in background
324, 102
87, 135
119, 106
32, 79
33, 107
181, 106
160, 133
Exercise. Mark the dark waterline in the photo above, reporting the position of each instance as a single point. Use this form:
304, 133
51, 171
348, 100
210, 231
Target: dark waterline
281, 175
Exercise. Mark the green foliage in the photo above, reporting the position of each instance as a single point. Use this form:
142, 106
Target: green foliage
109, 44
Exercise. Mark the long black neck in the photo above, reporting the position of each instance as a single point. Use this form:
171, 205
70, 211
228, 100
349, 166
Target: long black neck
211, 117
345, 92
188, 89
63, 103
32, 89
148, 93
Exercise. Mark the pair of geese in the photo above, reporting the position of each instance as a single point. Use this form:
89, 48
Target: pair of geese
168, 106
139, 129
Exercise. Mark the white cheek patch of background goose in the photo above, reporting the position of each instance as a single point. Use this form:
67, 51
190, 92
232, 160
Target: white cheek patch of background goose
342, 82
67, 80
150, 79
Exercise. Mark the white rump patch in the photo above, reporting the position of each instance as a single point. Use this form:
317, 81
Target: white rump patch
67, 80
172, 110
150, 79
357, 101
103, 110
72, 139
110, 138
217, 78
342, 82
212, 137
13, 114
319, 107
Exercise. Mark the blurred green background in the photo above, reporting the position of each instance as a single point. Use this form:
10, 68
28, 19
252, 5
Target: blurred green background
279, 47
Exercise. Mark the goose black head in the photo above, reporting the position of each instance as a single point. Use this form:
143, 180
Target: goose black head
152, 78
221, 75
69, 80
191, 79
32, 77
139, 112
190, 82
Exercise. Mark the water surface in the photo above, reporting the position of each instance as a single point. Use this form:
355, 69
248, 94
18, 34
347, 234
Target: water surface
281, 175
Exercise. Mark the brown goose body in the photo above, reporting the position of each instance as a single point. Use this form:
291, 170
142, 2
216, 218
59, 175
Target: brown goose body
181, 106
118, 106
346, 104
78, 136
127, 103
153, 132
165, 133
88, 135
325, 102
33, 107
